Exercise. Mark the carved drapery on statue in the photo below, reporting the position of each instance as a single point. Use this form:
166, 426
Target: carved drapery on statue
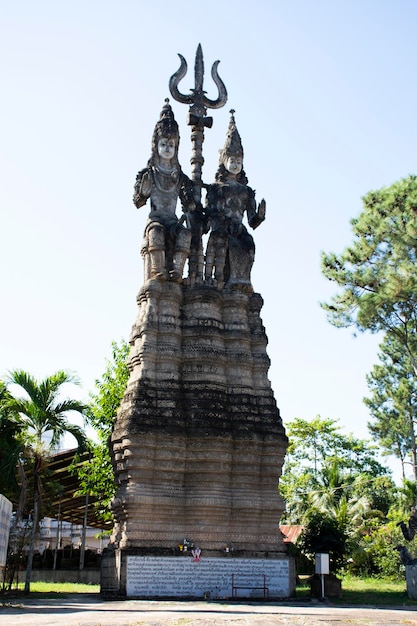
231, 249
166, 244
169, 241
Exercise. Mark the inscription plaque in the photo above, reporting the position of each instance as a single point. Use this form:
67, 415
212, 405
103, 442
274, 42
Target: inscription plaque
211, 577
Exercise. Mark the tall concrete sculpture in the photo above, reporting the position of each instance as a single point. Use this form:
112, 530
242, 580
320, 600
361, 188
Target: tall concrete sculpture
198, 443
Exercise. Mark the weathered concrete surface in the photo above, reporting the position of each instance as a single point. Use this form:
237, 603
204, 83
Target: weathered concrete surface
411, 578
198, 443
90, 610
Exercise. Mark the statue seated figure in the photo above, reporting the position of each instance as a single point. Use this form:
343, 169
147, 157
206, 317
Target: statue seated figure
231, 250
166, 244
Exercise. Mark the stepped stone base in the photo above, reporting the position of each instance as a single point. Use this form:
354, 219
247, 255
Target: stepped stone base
198, 443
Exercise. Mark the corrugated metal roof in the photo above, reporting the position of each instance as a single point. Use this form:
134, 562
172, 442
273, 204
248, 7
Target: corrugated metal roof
69, 506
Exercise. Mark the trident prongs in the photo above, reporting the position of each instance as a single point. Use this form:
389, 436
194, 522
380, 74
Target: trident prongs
198, 101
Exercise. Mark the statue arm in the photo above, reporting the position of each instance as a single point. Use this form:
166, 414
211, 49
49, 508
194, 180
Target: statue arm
143, 188
210, 200
256, 215
215, 205
186, 194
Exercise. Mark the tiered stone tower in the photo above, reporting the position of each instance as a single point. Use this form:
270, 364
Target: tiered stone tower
198, 443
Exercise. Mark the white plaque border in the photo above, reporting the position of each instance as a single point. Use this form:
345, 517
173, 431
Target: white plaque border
215, 578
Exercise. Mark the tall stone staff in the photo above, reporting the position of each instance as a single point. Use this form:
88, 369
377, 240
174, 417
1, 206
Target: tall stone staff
197, 119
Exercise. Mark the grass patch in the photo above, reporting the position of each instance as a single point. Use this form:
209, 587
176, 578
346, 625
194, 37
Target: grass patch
375, 591
366, 591
50, 589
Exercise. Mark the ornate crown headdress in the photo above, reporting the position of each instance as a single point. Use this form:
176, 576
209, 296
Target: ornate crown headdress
166, 126
233, 144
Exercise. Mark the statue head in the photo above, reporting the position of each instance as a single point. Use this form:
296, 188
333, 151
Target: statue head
234, 163
231, 156
167, 147
166, 138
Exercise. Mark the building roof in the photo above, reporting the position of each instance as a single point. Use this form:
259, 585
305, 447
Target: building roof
69, 506
291, 532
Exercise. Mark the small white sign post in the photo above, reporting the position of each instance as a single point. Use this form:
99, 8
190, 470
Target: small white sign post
322, 567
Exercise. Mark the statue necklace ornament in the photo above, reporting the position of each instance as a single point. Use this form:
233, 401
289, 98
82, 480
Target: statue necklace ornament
166, 181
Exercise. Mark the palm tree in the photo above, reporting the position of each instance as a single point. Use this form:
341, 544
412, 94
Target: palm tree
43, 415
341, 496
11, 444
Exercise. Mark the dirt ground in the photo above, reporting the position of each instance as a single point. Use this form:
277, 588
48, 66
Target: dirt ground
91, 610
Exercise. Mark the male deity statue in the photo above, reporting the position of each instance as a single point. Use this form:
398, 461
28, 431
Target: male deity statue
166, 244
231, 249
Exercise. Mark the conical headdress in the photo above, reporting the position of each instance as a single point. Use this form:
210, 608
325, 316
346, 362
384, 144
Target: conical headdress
233, 145
166, 126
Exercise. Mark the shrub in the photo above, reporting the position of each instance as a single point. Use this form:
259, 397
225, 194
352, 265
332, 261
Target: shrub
324, 534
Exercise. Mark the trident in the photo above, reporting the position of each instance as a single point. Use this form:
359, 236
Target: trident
199, 103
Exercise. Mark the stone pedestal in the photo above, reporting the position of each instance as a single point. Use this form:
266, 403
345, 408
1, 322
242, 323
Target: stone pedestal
198, 443
332, 586
184, 577
125, 574
411, 578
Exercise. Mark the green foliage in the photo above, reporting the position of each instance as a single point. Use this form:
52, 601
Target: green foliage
335, 487
374, 591
324, 534
327, 470
110, 390
96, 477
43, 411
311, 441
43, 415
314, 443
393, 402
12, 435
47, 589
377, 274
381, 493
38, 416
405, 501
377, 280
374, 553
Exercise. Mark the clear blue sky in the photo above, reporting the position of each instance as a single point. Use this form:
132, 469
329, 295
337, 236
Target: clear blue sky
326, 100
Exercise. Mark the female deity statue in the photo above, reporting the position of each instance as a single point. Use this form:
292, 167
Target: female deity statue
166, 244
231, 249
